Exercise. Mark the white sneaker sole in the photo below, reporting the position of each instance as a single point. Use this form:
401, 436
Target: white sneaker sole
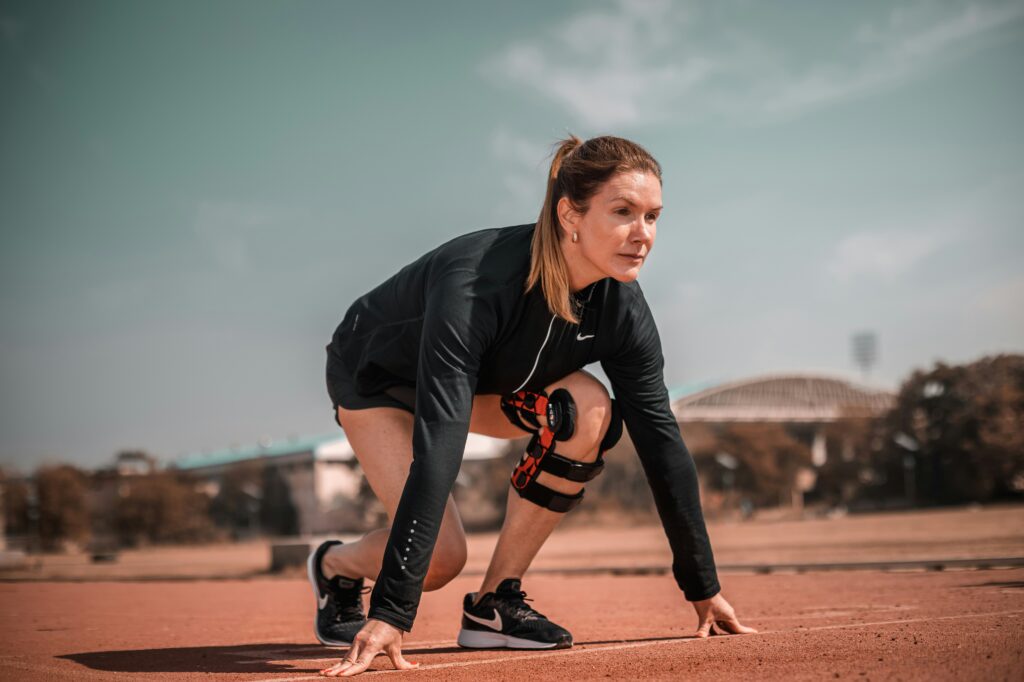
311, 572
476, 639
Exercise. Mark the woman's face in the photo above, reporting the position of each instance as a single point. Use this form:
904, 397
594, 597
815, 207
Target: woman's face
617, 231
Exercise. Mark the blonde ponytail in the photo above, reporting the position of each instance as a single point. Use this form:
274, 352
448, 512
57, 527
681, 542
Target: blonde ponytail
547, 262
578, 169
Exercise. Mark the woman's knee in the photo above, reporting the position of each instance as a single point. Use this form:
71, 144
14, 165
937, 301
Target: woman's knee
593, 411
448, 561
450, 551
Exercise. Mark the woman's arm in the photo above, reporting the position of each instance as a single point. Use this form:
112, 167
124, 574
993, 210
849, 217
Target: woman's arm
457, 328
636, 374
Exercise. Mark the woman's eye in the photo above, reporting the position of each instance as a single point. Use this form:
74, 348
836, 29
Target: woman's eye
622, 211
651, 217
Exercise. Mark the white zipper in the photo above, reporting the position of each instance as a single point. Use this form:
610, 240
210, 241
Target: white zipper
537, 359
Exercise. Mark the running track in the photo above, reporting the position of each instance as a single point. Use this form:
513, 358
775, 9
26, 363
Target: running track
921, 625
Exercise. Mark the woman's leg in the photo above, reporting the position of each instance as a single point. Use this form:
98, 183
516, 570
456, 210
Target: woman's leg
382, 440
527, 525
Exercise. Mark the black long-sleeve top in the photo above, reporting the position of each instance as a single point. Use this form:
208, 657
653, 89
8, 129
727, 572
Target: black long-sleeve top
455, 323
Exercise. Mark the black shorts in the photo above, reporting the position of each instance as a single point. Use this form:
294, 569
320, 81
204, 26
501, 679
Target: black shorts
342, 390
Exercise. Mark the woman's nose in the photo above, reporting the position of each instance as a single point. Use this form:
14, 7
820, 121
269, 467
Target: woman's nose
642, 232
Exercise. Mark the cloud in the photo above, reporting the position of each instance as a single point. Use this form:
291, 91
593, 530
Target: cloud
604, 66
916, 38
636, 63
980, 221
884, 253
922, 29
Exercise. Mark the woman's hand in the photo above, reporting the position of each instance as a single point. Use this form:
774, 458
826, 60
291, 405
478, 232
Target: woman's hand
376, 637
717, 613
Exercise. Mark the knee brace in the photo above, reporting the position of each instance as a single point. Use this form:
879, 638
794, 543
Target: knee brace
523, 409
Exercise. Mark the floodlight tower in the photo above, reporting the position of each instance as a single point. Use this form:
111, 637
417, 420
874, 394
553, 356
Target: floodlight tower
864, 346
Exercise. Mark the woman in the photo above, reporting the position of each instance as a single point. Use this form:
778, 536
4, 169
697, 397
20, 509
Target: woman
488, 333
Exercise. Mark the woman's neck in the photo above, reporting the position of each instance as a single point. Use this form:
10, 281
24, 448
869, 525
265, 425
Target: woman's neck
582, 272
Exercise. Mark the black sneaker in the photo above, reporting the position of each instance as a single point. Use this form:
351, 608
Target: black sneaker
339, 602
502, 619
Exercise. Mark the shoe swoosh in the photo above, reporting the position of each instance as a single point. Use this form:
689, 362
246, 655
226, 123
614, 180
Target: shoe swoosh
581, 337
493, 623
321, 601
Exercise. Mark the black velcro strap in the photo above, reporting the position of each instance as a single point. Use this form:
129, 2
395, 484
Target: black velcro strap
543, 496
614, 432
569, 469
561, 414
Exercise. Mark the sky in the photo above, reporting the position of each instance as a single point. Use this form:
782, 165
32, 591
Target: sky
192, 193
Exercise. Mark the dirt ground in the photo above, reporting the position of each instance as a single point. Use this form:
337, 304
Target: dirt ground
610, 543
912, 625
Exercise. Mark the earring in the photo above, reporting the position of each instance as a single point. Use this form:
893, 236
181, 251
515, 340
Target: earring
575, 237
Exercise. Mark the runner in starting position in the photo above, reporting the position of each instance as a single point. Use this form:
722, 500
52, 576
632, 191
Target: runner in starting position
488, 333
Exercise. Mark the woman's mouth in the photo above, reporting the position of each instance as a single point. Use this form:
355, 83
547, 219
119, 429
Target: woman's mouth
633, 258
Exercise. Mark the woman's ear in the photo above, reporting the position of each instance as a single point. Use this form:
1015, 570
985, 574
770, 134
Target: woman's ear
568, 216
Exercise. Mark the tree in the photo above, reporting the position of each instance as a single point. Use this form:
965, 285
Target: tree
768, 460
236, 506
278, 515
161, 507
63, 510
961, 430
17, 520
852, 471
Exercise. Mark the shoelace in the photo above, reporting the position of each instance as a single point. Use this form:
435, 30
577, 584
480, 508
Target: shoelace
349, 604
518, 601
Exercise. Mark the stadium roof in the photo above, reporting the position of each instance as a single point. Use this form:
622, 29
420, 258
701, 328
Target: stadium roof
265, 449
783, 397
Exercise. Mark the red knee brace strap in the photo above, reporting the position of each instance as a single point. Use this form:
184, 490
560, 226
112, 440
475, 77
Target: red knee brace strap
539, 458
559, 409
522, 409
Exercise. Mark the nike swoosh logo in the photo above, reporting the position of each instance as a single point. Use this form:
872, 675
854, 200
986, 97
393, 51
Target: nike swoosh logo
321, 601
580, 337
494, 623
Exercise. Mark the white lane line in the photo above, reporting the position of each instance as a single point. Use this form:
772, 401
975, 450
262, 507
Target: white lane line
837, 614
261, 656
658, 642
430, 644
897, 622
501, 659
313, 647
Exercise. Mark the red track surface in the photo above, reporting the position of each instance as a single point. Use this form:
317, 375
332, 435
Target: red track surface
963, 625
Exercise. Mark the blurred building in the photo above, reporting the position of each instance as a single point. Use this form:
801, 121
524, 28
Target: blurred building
3, 520
810, 407
108, 484
317, 482
805, 402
